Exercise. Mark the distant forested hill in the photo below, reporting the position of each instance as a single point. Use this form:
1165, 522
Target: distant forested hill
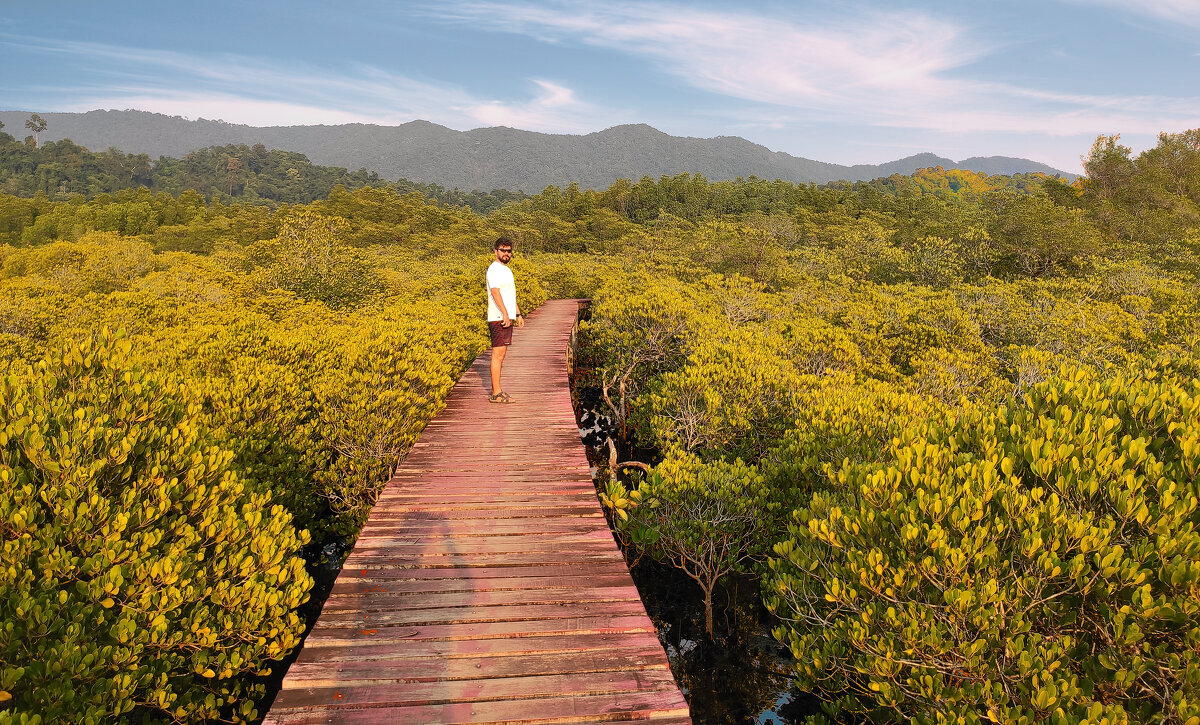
235, 172
485, 158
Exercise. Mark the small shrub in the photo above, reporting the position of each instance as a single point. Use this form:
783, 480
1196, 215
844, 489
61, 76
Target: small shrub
706, 519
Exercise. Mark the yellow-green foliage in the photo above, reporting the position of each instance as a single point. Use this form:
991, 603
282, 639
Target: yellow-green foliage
1009, 565
815, 347
98, 262
384, 216
567, 276
635, 337
715, 365
733, 395
388, 383
844, 420
142, 575
304, 368
864, 250
320, 404
321, 407
308, 257
838, 338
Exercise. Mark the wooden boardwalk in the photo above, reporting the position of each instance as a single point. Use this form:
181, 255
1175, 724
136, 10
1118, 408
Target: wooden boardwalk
486, 586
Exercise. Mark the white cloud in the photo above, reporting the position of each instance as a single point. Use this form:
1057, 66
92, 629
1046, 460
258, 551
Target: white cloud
254, 91
903, 69
750, 56
554, 110
233, 109
1175, 12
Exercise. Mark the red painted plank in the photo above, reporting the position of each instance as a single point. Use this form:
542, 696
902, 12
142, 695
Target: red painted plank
433, 669
340, 617
495, 648
406, 480
606, 568
514, 688
536, 492
413, 536
414, 496
376, 601
350, 587
323, 633
526, 512
468, 500
482, 465
623, 707
479, 545
483, 527
395, 560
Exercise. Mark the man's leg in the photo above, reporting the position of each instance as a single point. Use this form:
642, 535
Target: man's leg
497, 363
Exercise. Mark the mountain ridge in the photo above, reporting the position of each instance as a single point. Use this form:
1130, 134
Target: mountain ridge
494, 157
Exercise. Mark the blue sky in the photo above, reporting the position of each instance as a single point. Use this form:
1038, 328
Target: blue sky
845, 82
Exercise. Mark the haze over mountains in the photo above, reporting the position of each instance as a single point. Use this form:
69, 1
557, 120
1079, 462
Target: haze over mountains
486, 158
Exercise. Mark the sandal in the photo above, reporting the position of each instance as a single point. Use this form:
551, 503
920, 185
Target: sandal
501, 397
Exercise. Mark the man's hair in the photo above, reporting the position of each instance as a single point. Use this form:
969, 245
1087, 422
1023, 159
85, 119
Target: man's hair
502, 242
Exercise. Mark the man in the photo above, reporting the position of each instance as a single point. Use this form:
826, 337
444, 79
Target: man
502, 311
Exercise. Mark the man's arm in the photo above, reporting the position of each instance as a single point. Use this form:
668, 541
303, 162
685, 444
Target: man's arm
518, 317
500, 304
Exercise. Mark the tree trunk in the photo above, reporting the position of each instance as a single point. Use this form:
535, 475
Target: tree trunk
612, 459
708, 608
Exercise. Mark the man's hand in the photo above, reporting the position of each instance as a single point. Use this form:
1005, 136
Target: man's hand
506, 322
520, 320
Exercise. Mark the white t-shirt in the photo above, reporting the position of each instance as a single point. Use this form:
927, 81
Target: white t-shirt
499, 276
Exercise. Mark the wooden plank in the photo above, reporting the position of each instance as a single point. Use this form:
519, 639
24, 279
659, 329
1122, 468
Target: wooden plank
484, 466
463, 479
340, 602
517, 488
485, 527
377, 574
351, 586
524, 494
485, 495
341, 617
434, 669
527, 512
483, 545
621, 707
394, 560
486, 586
462, 503
413, 536
404, 531
495, 648
324, 633
481, 690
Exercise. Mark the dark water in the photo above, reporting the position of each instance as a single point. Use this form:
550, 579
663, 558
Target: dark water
323, 566
740, 676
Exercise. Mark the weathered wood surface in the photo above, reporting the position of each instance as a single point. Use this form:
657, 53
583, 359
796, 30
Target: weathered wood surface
486, 586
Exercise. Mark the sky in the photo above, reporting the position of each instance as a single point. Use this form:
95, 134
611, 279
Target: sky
832, 80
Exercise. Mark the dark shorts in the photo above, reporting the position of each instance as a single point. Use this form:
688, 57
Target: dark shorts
500, 335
